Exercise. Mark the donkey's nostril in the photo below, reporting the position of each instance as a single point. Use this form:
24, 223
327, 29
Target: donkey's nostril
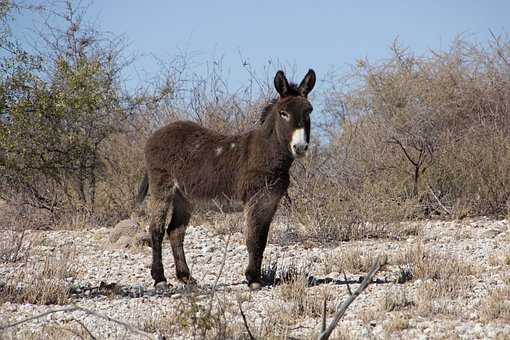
300, 148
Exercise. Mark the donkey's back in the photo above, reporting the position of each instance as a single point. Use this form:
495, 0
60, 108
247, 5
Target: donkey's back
198, 161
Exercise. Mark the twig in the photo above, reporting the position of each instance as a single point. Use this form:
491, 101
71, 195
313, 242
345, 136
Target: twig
498, 47
244, 321
87, 311
348, 286
324, 309
86, 329
439, 202
223, 261
71, 309
341, 309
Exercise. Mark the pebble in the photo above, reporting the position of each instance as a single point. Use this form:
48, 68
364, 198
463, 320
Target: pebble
138, 302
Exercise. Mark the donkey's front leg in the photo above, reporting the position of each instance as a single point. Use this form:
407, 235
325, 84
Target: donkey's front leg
259, 213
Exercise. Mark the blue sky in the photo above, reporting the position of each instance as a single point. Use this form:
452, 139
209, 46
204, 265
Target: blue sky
324, 35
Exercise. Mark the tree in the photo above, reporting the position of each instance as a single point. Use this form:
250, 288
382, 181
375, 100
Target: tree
64, 103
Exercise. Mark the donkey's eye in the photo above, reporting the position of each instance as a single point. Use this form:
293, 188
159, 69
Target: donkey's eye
284, 115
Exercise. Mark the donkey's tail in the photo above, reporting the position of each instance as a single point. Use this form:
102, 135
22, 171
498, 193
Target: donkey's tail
142, 191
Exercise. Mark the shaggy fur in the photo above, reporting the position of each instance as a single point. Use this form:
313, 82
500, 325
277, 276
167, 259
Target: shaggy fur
187, 165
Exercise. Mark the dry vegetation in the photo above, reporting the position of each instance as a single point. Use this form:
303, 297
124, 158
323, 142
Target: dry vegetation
42, 283
497, 305
406, 139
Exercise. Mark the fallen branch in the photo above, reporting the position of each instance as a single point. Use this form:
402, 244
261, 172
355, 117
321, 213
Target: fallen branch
86, 311
245, 321
342, 308
86, 329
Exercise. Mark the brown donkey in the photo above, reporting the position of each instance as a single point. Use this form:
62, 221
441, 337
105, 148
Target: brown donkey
187, 164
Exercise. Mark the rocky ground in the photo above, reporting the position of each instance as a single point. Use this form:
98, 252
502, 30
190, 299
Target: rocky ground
443, 280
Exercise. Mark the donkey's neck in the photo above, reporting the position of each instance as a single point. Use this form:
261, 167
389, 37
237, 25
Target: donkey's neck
275, 153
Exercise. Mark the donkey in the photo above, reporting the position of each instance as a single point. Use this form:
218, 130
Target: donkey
187, 165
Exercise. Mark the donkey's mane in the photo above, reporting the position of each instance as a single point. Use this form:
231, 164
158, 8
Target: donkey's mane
267, 110
292, 91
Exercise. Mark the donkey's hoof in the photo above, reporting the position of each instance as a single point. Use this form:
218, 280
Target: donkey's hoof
161, 286
255, 286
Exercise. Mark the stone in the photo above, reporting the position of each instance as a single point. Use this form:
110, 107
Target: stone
124, 228
491, 233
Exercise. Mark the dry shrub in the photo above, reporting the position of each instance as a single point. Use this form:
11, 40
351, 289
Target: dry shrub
123, 163
396, 324
219, 223
396, 299
497, 305
13, 246
410, 138
352, 260
299, 301
444, 279
425, 264
196, 316
330, 206
44, 284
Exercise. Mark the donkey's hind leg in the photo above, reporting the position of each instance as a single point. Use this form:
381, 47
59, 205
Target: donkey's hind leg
159, 205
176, 230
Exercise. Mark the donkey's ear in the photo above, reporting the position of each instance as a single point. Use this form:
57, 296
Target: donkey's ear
281, 84
307, 83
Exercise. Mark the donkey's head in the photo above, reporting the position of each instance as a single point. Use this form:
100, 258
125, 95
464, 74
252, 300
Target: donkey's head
293, 112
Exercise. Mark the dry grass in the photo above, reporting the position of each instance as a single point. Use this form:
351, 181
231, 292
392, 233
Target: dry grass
299, 301
396, 324
497, 305
425, 264
13, 246
499, 259
444, 279
396, 299
42, 283
72, 330
352, 260
197, 316
220, 223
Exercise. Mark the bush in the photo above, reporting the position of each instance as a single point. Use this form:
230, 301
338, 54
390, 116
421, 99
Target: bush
418, 137
408, 138
62, 112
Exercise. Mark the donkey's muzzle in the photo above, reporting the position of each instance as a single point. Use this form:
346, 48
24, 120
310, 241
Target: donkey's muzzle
300, 149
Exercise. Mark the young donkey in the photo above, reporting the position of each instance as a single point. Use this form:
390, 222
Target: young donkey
187, 164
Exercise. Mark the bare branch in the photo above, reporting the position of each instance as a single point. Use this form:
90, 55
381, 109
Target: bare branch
245, 321
341, 309
87, 311
448, 211
348, 286
86, 329
498, 47
324, 309
394, 140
